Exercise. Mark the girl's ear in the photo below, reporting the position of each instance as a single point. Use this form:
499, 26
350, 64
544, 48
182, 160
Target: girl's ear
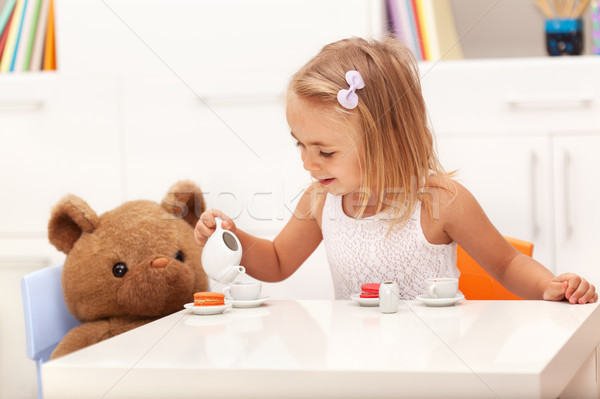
185, 200
71, 217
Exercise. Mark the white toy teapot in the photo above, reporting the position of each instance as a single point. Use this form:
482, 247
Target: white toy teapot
222, 254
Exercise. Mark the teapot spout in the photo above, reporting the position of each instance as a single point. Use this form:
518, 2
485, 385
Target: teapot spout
231, 274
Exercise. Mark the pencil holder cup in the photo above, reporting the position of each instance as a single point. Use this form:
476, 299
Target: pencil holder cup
564, 36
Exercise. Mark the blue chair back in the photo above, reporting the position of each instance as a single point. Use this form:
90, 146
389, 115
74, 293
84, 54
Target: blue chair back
47, 318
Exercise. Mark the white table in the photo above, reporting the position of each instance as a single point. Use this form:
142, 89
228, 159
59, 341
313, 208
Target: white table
322, 349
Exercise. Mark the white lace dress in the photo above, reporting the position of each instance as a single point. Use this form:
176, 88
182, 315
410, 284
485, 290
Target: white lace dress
359, 252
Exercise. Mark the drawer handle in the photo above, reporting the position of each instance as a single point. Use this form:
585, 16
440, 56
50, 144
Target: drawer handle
567, 165
550, 102
24, 105
534, 169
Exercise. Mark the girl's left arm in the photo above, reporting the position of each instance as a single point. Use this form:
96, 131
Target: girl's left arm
465, 222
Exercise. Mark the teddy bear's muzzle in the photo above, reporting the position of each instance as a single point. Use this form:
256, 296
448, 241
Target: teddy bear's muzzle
159, 262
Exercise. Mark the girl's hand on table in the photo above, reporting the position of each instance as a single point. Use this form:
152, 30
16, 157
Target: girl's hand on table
206, 225
571, 287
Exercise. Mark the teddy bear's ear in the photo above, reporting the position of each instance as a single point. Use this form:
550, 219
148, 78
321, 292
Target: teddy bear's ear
71, 217
185, 200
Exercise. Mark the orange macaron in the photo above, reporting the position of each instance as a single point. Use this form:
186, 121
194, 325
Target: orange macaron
209, 299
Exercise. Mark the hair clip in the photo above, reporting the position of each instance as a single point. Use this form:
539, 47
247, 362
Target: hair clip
347, 97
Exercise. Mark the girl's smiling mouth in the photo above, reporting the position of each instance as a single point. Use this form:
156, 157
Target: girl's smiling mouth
326, 181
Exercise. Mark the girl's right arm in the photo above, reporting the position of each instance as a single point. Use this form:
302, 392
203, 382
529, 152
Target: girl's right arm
268, 260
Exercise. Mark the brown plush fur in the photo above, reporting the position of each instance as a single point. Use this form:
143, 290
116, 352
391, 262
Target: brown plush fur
136, 234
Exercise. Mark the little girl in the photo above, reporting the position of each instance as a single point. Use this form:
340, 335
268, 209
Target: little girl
381, 202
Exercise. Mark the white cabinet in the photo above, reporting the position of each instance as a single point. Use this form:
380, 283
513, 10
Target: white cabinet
511, 179
577, 205
524, 136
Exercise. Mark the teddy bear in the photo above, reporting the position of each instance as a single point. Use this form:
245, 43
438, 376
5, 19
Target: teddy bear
129, 266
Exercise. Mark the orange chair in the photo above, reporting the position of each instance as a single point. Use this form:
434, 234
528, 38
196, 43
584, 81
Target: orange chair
476, 283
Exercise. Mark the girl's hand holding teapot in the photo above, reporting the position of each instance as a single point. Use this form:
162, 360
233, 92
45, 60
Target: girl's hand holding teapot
207, 225
222, 251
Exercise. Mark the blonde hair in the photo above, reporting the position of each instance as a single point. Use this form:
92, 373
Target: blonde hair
398, 147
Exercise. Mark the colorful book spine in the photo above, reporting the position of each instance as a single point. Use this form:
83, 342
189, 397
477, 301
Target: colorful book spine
426, 13
37, 54
413, 28
419, 29
427, 27
18, 40
49, 49
11, 40
4, 36
596, 27
32, 34
424, 34
5, 15
21, 50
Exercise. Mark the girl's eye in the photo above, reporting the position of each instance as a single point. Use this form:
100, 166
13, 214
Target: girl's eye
326, 154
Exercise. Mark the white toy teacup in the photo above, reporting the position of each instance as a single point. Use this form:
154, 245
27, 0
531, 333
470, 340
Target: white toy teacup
243, 291
443, 287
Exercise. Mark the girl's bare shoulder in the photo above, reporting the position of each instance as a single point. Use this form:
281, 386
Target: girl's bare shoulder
311, 203
453, 205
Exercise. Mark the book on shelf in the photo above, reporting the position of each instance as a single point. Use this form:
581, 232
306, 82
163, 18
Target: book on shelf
11, 40
427, 27
21, 50
440, 22
18, 37
4, 34
49, 50
425, 30
27, 40
402, 25
29, 28
37, 52
418, 27
6, 11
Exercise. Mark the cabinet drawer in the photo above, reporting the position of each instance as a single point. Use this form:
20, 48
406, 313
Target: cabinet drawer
544, 95
216, 47
66, 141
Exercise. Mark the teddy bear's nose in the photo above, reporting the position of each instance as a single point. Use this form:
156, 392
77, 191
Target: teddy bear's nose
160, 262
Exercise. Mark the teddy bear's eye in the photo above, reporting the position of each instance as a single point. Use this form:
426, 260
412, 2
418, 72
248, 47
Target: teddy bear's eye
119, 269
179, 256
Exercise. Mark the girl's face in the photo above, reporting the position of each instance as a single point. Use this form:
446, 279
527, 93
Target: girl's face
326, 149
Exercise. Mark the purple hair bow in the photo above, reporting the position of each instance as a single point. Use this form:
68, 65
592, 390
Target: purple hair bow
347, 97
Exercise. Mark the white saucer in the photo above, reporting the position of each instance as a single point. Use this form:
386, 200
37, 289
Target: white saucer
205, 310
427, 300
365, 301
247, 304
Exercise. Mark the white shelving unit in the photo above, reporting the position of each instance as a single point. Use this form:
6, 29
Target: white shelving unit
523, 134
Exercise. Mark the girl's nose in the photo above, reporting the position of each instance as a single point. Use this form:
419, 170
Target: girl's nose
308, 161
